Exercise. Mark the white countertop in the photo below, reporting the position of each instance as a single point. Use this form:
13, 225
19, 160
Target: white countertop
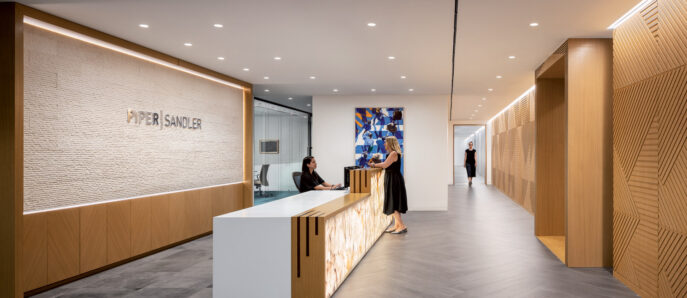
289, 206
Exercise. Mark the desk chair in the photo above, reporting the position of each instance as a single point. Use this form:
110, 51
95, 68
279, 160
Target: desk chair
261, 179
297, 180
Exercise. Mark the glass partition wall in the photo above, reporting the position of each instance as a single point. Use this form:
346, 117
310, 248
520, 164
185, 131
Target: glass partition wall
281, 137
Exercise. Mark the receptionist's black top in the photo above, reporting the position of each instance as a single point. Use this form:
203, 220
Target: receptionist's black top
309, 181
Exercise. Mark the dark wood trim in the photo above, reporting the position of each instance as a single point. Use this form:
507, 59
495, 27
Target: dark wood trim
11, 149
248, 115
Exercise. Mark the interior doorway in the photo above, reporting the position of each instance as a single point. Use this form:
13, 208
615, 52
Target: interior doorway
462, 135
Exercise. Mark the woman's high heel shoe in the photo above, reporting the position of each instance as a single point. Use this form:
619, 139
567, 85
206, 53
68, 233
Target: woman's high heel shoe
400, 232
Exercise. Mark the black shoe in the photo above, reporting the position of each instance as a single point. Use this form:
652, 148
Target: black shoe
400, 232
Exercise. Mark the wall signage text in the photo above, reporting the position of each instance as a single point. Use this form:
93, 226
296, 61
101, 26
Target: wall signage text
162, 120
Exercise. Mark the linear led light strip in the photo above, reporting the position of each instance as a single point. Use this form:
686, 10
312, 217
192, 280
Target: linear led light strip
100, 43
124, 199
512, 103
630, 13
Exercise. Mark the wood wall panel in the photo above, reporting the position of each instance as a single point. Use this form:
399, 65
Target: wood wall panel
93, 237
177, 217
35, 263
650, 151
141, 226
226, 199
589, 175
159, 221
513, 148
550, 161
118, 231
11, 149
63, 244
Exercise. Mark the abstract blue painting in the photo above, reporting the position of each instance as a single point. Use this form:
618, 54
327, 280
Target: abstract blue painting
372, 126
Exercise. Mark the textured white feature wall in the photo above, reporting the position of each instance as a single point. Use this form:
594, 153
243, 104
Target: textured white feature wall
426, 140
78, 146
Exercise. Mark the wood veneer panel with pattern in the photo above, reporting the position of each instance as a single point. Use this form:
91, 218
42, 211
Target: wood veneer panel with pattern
63, 244
35, 244
650, 150
141, 226
118, 231
93, 237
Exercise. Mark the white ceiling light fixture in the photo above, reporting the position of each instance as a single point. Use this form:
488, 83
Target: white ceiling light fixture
476, 111
371, 25
290, 98
484, 98
373, 90
490, 89
391, 58
534, 24
277, 58
267, 90
336, 90
220, 58
403, 77
511, 57
479, 106
629, 14
499, 77
125, 51
266, 77
144, 26
188, 44
246, 69
218, 25
411, 89
313, 77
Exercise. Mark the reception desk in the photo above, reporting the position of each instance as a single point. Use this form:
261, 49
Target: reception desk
301, 246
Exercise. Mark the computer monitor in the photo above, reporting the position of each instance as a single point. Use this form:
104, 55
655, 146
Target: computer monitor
347, 175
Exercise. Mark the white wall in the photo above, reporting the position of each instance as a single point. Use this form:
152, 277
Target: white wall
425, 122
288, 126
78, 146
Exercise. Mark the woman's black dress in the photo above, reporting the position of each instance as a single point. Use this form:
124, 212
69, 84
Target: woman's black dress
470, 162
394, 189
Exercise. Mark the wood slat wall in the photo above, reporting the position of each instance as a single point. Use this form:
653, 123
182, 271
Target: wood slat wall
513, 151
68, 242
650, 150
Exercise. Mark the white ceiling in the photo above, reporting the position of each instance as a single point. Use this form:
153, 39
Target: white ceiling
331, 40
462, 132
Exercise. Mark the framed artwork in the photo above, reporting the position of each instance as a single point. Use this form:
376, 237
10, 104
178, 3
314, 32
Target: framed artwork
269, 146
372, 126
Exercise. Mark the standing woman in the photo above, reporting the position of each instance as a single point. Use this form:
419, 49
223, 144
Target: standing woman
395, 200
470, 162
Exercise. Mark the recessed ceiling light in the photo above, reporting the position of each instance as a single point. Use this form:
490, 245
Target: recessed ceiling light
479, 106
218, 25
411, 89
246, 69
371, 24
498, 77
476, 111
391, 57
267, 90
220, 58
403, 77
484, 98
277, 58
308, 105
266, 77
511, 57
188, 44
473, 115
312, 77
373, 90
490, 89
534, 24
290, 98
336, 90
143, 25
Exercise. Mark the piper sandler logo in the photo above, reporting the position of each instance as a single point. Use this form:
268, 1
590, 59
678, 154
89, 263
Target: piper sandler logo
162, 120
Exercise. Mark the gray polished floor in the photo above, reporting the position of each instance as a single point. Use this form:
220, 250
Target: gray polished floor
483, 246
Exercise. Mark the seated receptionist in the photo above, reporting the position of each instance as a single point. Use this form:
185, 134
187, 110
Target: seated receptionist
310, 179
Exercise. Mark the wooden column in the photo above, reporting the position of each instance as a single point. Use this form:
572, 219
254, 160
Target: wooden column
11, 151
247, 147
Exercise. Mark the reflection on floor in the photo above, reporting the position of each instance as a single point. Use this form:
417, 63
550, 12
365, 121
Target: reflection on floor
483, 246
269, 196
